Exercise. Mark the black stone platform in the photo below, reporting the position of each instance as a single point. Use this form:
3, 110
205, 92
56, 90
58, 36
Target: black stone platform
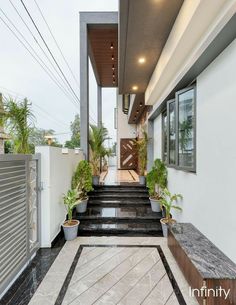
119, 210
204, 266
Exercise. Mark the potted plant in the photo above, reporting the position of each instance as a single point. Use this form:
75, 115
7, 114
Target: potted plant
141, 145
168, 201
70, 226
82, 183
97, 137
156, 182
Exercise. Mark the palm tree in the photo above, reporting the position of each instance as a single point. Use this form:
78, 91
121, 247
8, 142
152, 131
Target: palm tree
20, 119
97, 137
141, 145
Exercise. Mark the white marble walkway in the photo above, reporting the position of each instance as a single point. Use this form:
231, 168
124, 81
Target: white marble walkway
108, 275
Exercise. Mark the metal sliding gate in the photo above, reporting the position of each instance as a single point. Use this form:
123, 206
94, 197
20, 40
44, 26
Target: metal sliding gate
19, 214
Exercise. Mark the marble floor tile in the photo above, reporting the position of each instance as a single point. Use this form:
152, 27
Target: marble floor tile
108, 275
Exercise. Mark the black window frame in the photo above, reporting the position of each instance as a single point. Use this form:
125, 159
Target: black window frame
164, 114
176, 101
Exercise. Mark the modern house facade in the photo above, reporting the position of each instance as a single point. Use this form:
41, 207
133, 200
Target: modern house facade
176, 79
172, 64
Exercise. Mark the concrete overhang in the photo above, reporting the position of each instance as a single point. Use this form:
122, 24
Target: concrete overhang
102, 40
144, 26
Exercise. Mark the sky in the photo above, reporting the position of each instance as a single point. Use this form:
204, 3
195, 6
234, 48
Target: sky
21, 76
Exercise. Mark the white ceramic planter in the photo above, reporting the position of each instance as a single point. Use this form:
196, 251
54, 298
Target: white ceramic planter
142, 180
82, 206
155, 204
96, 180
70, 232
164, 228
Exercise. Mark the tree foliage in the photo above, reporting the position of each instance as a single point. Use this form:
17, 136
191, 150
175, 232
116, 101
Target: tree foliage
19, 122
75, 130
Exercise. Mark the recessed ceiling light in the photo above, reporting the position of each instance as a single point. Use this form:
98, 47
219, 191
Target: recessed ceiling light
137, 111
112, 58
142, 60
141, 104
112, 46
113, 67
135, 88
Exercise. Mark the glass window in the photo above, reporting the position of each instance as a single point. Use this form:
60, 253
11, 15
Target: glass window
186, 134
164, 137
172, 133
178, 131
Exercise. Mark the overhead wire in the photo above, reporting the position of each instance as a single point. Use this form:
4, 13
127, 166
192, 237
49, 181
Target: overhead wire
56, 43
35, 58
42, 50
49, 50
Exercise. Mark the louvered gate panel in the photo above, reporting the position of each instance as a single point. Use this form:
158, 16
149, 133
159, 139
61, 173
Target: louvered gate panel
13, 216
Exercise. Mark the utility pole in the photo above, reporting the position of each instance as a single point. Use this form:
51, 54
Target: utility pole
3, 136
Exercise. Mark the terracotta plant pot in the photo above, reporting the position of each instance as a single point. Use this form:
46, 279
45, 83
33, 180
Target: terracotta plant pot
82, 206
155, 204
70, 230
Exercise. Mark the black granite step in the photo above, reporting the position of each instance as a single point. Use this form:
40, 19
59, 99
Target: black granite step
127, 196
119, 210
119, 214
112, 190
127, 229
118, 203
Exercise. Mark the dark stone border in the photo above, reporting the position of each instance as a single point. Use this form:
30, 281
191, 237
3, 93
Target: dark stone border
173, 282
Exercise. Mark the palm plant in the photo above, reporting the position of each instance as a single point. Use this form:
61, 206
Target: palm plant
97, 137
20, 118
70, 201
142, 152
168, 201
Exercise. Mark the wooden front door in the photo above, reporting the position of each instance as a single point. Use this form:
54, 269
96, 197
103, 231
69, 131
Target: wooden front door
128, 154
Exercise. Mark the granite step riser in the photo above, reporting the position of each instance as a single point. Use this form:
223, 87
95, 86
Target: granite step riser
118, 205
111, 191
118, 233
119, 197
113, 220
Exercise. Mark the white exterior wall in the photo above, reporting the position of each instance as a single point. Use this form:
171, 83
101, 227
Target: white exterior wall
209, 195
56, 173
124, 130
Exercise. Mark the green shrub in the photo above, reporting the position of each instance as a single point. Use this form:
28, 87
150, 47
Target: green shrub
82, 179
157, 179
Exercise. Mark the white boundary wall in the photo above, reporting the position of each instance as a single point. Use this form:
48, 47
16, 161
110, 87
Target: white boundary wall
56, 172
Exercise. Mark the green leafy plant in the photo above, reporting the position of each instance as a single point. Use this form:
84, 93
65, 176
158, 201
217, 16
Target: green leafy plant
168, 201
141, 145
70, 201
19, 121
157, 179
82, 179
97, 137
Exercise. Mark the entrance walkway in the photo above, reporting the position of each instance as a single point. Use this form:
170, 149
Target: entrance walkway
114, 270
115, 176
